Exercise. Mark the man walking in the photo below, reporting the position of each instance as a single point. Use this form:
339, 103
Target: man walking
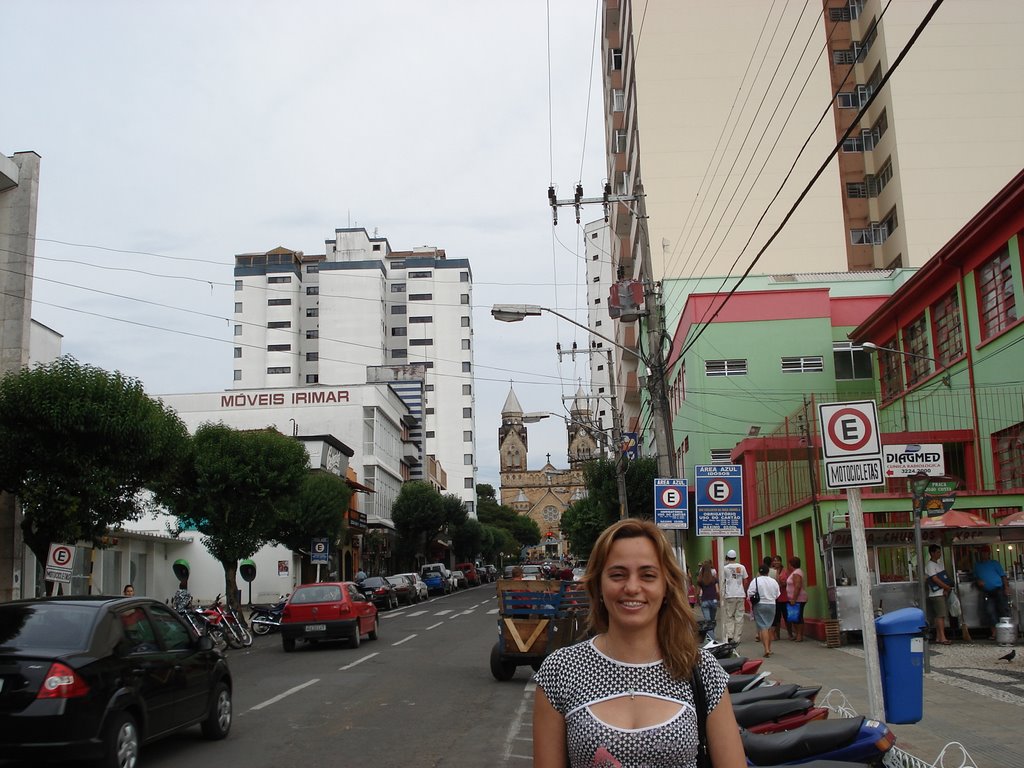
734, 594
991, 579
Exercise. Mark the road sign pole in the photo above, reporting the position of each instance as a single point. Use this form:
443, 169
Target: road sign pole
720, 625
867, 609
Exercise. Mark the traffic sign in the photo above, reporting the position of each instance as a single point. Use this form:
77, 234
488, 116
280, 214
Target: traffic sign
59, 563
851, 444
671, 503
319, 552
719, 498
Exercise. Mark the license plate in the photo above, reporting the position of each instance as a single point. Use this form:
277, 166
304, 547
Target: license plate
316, 627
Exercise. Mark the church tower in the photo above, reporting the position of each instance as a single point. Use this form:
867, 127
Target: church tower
512, 435
582, 445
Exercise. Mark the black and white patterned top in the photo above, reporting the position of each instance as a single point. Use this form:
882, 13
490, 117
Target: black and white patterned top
576, 677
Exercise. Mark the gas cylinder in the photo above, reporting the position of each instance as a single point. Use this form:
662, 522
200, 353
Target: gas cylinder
1006, 632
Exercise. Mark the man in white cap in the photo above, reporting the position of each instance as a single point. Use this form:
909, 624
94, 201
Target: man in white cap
733, 595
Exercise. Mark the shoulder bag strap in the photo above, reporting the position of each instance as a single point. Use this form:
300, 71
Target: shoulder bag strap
700, 703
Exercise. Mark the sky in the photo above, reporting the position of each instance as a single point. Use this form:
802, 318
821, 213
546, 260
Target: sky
176, 135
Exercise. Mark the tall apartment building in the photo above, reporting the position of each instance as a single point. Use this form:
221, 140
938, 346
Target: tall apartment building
359, 313
707, 106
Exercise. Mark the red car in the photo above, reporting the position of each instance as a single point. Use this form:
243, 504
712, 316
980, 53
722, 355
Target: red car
328, 611
470, 572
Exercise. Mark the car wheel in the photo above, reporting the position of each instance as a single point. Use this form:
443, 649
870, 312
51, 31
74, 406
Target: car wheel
356, 639
373, 632
288, 643
501, 669
218, 719
121, 742
395, 604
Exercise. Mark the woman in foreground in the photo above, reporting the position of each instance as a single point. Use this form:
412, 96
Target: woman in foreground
626, 697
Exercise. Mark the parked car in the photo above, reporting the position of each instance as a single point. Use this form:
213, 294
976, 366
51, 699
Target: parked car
532, 573
422, 593
380, 591
404, 590
461, 582
470, 572
491, 571
437, 583
328, 611
91, 677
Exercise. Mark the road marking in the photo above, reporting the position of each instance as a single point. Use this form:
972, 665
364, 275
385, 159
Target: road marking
435, 626
358, 661
492, 611
442, 613
403, 640
289, 692
416, 613
517, 724
390, 615
466, 612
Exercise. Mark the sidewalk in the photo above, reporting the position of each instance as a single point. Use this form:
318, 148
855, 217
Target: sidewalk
970, 696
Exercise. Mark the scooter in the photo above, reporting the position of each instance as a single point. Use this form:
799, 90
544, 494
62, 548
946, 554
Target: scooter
853, 739
740, 683
720, 650
266, 617
784, 691
774, 715
741, 665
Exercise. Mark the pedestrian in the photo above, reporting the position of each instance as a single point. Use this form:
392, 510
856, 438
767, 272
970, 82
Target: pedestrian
128, 591
991, 579
796, 596
360, 575
781, 574
734, 595
763, 593
181, 601
627, 696
939, 586
707, 580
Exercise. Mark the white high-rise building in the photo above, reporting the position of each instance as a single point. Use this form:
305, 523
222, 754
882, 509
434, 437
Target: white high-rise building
359, 313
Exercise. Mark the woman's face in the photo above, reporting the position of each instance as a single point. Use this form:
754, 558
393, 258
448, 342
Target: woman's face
777, 563
633, 584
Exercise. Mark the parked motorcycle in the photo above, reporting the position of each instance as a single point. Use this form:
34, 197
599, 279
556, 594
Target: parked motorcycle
852, 739
741, 665
739, 683
783, 691
266, 617
226, 619
774, 715
203, 625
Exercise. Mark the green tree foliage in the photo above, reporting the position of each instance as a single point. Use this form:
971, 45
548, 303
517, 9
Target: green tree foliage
419, 516
467, 540
523, 529
78, 445
318, 511
236, 487
582, 523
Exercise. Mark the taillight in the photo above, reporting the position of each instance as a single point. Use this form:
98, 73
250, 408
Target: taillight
62, 682
886, 742
286, 613
380, 591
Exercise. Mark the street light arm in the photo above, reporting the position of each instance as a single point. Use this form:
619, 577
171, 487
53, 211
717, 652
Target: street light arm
872, 347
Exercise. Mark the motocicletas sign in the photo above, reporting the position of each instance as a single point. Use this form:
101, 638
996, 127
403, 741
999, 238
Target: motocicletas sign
908, 460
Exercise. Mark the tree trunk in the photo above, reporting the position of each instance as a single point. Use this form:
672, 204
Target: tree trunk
231, 583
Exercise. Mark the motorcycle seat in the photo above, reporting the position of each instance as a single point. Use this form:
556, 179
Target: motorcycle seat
815, 738
738, 683
733, 664
784, 691
758, 712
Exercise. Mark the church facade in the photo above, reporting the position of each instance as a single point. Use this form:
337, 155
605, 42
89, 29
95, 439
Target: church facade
544, 494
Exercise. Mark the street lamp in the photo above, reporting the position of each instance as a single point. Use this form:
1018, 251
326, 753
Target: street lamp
919, 483
872, 347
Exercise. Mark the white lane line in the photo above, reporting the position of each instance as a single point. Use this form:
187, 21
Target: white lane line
403, 640
435, 626
289, 692
390, 615
358, 661
416, 613
442, 613
492, 611
518, 723
466, 613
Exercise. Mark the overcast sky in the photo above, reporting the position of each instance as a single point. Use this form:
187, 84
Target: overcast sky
175, 135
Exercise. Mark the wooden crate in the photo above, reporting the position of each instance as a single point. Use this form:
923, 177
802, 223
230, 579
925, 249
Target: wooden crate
833, 637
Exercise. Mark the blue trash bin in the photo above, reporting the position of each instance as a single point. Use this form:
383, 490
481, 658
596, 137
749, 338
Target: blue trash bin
901, 653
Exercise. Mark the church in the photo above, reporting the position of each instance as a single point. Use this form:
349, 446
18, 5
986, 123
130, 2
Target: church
544, 494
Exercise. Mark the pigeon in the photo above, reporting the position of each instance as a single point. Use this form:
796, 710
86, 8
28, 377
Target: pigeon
1010, 656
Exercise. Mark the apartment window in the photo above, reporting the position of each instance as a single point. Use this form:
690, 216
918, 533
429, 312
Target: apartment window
465, 322
877, 131
844, 56
946, 328
421, 273
397, 263
615, 59
467, 413
622, 184
996, 303
619, 141
279, 302
889, 224
238, 375
279, 369
467, 367
314, 334
238, 307
467, 389
734, 367
853, 144
312, 290
238, 285
312, 269
464, 298
312, 357
398, 309
839, 14
618, 100
856, 7
312, 378
429, 434
279, 347
420, 342
803, 364
879, 181
278, 324
856, 189
428, 388
889, 371
1008, 449
847, 100
467, 459
238, 330
915, 341
312, 312
863, 95
465, 343
398, 287
429, 412
721, 455
421, 319
597, 323
421, 296
279, 279
597, 301
851, 362
399, 354
376, 246
238, 352
467, 482
398, 331
463, 277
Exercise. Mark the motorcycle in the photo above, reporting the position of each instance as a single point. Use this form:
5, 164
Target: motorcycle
783, 691
720, 650
774, 715
853, 739
266, 617
739, 683
203, 625
226, 619
741, 665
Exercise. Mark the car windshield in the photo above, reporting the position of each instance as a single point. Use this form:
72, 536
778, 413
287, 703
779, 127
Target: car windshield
45, 625
323, 593
398, 581
531, 569
375, 581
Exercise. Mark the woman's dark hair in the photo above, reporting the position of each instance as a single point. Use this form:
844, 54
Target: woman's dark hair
763, 570
794, 562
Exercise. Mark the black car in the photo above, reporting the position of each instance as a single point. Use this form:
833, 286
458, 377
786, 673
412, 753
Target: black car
94, 678
381, 591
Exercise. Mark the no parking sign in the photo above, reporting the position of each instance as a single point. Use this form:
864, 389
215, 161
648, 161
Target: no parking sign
59, 562
671, 503
719, 496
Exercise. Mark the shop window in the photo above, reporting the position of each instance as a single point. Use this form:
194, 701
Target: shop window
997, 307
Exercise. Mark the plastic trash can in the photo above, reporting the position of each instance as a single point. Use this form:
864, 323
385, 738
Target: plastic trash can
901, 653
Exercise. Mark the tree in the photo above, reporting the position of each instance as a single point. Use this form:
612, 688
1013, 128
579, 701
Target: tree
582, 523
419, 516
78, 446
467, 540
236, 487
523, 529
318, 511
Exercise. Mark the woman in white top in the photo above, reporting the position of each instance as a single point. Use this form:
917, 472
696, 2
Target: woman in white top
768, 591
